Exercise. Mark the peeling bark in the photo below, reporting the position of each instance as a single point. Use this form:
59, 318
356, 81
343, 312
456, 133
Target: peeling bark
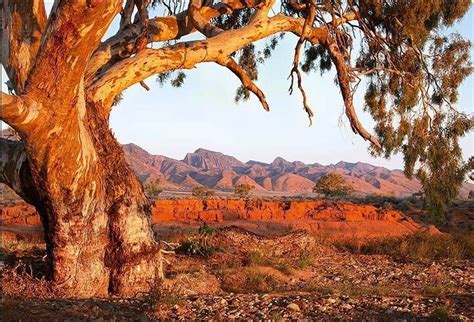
23, 24
69, 165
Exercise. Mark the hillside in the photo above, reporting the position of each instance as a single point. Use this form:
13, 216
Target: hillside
222, 172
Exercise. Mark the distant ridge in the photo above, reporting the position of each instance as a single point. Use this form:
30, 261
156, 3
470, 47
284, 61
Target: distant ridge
222, 172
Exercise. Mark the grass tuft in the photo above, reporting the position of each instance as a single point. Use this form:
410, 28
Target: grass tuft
417, 247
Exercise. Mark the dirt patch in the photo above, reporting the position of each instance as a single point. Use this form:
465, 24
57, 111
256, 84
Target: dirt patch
232, 273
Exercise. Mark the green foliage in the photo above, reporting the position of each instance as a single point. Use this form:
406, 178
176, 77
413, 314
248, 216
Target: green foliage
412, 103
332, 185
441, 313
414, 71
206, 230
242, 190
199, 246
195, 248
153, 189
176, 81
414, 66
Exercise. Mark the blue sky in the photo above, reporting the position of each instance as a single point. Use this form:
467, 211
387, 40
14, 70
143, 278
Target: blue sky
202, 113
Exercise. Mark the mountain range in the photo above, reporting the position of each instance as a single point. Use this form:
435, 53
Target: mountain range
222, 172
281, 177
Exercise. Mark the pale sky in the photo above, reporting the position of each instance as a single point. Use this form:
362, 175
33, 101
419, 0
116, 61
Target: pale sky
202, 113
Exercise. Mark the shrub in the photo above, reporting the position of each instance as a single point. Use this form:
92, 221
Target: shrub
243, 190
206, 230
332, 185
196, 248
255, 258
152, 189
199, 246
252, 280
441, 313
416, 247
202, 192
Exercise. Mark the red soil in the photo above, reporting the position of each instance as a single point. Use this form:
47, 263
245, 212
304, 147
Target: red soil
334, 219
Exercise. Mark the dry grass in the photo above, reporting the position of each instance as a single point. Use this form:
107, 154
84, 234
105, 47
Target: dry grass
19, 283
417, 247
348, 289
251, 280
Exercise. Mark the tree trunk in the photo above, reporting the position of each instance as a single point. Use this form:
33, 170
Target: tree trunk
93, 209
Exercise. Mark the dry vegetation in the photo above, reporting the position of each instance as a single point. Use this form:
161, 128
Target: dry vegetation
413, 276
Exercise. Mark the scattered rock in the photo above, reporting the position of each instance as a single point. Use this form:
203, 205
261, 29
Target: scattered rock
294, 307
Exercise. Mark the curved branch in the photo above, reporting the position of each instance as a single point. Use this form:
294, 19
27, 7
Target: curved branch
343, 78
245, 79
159, 29
295, 70
187, 54
20, 112
23, 24
202, 24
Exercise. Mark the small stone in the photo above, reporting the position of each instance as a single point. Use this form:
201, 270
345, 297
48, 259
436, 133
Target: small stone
293, 307
331, 300
346, 307
223, 302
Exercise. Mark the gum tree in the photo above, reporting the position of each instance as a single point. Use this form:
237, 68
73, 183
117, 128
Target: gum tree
65, 78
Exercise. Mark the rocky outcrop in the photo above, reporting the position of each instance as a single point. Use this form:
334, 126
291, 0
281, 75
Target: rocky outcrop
205, 159
326, 217
219, 210
20, 215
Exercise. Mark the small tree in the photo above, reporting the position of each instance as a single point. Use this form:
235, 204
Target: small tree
333, 185
243, 190
153, 189
199, 192
210, 194
202, 192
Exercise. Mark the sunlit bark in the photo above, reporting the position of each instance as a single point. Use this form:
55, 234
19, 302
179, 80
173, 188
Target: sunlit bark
68, 163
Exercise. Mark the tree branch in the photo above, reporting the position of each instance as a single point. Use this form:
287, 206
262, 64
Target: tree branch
160, 29
247, 82
295, 70
202, 24
74, 31
23, 24
17, 111
344, 84
187, 54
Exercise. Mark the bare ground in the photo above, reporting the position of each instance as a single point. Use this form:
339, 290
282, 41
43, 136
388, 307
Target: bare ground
231, 273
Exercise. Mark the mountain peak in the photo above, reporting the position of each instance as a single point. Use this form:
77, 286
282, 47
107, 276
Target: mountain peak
202, 150
207, 159
222, 172
132, 148
280, 161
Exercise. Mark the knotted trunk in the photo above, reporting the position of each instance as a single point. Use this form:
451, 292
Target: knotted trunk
93, 209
